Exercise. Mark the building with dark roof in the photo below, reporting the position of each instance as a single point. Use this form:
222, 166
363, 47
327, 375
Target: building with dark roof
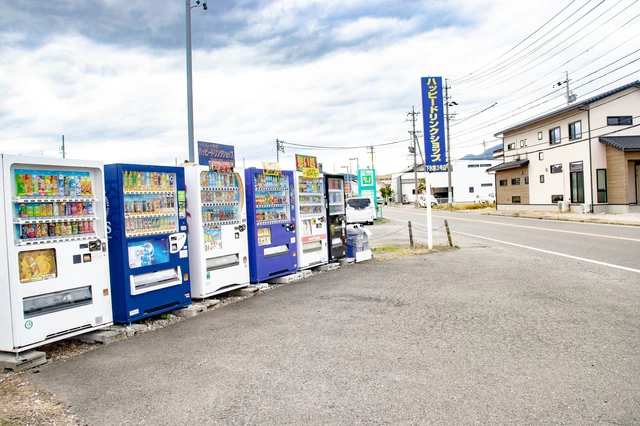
584, 157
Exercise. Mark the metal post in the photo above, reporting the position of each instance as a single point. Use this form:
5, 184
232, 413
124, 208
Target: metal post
446, 103
446, 225
410, 235
63, 151
189, 84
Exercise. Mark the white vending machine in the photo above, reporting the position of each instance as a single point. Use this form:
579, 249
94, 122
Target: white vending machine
311, 221
55, 280
217, 222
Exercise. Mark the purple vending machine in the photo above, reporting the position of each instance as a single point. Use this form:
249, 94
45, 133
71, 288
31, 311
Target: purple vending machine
271, 218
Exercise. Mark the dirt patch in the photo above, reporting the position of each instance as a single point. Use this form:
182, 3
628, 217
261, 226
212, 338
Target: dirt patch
390, 252
23, 404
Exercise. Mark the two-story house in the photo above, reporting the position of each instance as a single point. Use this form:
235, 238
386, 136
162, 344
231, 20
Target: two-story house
586, 155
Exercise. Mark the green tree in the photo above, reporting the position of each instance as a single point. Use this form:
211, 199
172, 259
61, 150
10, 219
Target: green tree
422, 186
388, 194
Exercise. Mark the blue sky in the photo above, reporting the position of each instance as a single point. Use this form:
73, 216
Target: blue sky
110, 74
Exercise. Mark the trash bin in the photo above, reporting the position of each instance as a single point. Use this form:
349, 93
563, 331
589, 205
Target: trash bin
357, 239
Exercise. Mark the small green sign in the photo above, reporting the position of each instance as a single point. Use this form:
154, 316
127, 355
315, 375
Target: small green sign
367, 185
28, 324
182, 195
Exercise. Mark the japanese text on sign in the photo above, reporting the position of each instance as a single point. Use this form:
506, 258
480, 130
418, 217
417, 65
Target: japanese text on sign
305, 162
208, 151
433, 119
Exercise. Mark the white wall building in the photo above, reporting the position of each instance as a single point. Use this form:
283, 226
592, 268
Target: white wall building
469, 181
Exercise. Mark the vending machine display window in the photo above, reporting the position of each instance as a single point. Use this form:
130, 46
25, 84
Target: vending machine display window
264, 236
272, 199
220, 200
52, 206
149, 203
336, 196
149, 252
37, 265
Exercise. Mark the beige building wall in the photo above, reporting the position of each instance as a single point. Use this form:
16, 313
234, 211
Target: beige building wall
506, 193
532, 143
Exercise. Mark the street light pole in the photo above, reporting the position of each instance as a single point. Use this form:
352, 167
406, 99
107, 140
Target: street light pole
189, 76
189, 85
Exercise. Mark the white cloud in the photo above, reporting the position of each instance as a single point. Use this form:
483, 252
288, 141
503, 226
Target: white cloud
123, 104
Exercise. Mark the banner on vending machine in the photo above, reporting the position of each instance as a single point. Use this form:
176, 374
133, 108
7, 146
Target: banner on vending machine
308, 165
216, 156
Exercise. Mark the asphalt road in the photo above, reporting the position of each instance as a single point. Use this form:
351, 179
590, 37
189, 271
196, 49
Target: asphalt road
615, 245
487, 334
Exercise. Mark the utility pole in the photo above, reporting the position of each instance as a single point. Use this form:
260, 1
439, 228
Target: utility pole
413, 115
64, 154
189, 76
371, 150
484, 150
446, 114
279, 149
570, 96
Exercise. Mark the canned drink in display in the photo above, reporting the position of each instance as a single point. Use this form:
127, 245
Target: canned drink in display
85, 227
72, 208
30, 210
80, 228
80, 208
52, 230
89, 206
74, 228
57, 229
56, 209
37, 210
63, 208
24, 232
22, 210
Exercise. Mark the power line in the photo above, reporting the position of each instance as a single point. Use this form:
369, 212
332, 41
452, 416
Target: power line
463, 79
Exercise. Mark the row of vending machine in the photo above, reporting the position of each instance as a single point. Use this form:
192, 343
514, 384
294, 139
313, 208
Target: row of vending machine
88, 244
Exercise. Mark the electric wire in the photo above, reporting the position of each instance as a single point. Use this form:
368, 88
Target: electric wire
464, 78
516, 73
564, 117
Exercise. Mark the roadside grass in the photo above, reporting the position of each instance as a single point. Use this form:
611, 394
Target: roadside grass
465, 206
390, 252
381, 221
23, 404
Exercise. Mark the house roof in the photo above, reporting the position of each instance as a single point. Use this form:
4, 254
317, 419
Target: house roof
623, 143
507, 166
570, 107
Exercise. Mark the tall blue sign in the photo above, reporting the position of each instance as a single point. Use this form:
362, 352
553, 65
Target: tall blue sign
435, 149
209, 152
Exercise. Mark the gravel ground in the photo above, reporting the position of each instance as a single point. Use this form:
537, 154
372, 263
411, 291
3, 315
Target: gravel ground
617, 219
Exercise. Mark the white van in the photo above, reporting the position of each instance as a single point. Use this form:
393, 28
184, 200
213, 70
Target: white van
360, 210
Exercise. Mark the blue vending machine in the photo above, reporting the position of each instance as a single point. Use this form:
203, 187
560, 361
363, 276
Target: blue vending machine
271, 219
147, 226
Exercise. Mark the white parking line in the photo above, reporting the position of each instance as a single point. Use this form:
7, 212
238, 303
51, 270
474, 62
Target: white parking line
597, 262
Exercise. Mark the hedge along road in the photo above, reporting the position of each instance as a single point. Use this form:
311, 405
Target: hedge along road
489, 334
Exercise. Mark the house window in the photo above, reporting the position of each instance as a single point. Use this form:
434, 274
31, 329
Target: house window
575, 130
484, 185
473, 165
511, 146
554, 136
484, 165
556, 168
523, 143
515, 199
620, 120
601, 177
541, 156
576, 166
556, 198
539, 136
471, 190
503, 182
515, 181
541, 178
526, 180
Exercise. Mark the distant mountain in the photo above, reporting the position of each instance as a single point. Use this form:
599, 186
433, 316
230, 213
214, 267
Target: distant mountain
488, 154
